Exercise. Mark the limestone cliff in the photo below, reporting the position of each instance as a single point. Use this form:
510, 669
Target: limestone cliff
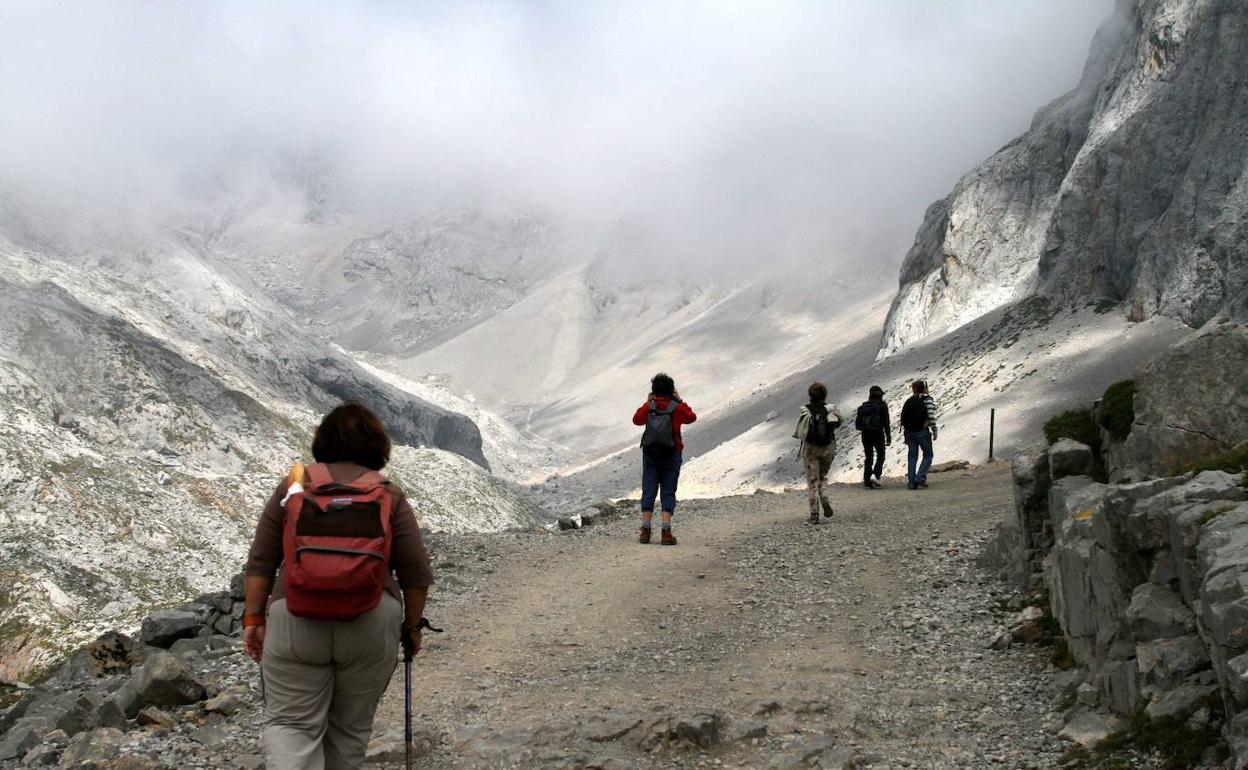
1132, 188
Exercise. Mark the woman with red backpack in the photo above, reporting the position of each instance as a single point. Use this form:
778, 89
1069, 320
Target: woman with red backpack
352, 587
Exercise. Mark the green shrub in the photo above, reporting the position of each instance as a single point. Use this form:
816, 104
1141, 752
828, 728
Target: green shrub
1118, 409
1233, 460
1076, 424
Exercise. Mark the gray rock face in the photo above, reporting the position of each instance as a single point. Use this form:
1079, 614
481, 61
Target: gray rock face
1128, 188
1181, 417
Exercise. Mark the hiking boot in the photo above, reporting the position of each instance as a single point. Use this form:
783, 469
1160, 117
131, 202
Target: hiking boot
922, 485
912, 486
644, 539
814, 518
827, 507
874, 484
668, 538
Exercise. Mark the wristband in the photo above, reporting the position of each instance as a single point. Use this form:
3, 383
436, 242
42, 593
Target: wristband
253, 620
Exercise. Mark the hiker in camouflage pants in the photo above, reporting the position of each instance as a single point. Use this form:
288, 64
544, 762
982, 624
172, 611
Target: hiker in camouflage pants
816, 426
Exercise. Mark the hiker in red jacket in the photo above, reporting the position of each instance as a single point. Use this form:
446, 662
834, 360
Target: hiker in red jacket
661, 447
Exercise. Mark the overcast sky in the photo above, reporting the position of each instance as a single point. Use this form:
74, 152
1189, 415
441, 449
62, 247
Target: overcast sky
737, 127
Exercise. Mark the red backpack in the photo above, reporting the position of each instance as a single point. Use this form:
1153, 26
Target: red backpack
336, 545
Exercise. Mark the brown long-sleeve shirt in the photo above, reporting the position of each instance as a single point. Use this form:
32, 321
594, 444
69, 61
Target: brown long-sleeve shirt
408, 558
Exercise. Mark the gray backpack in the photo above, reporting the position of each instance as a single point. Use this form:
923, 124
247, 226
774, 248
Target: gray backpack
658, 438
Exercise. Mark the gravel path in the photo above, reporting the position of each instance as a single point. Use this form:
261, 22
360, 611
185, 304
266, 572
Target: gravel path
759, 641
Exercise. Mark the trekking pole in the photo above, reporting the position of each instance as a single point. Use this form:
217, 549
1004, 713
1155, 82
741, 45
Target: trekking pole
408, 654
407, 711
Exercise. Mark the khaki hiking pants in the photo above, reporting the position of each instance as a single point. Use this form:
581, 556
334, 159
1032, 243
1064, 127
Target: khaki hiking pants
817, 460
322, 682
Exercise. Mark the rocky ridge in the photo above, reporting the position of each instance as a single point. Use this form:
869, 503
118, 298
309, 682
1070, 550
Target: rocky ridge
1130, 188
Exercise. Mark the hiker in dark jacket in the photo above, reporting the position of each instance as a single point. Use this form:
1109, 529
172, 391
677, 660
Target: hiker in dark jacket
816, 429
877, 432
661, 452
918, 421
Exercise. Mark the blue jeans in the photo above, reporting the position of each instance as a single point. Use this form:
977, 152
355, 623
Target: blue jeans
659, 474
918, 440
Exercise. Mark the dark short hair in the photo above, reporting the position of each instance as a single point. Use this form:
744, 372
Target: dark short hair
351, 433
918, 386
662, 385
818, 392
876, 392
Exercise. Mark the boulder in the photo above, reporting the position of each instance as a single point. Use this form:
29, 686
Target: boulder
1030, 470
99, 745
686, 731
1025, 627
807, 752
1182, 701
1236, 680
227, 703
110, 713
126, 699
1119, 682
1165, 663
66, 710
164, 680
155, 717
23, 736
1222, 563
1068, 457
1156, 612
1088, 728
110, 654
1181, 418
1087, 587
164, 627
1236, 734
238, 587
950, 465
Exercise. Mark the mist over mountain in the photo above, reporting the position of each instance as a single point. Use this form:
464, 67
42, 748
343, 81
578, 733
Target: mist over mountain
698, 137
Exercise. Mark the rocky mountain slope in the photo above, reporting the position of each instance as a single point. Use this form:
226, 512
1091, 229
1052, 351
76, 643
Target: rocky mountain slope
148, 404
1132, 188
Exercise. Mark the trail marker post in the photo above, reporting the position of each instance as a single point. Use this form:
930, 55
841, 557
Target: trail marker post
992, 431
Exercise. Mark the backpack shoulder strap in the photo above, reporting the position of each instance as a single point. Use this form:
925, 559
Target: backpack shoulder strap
370, 479
319, 475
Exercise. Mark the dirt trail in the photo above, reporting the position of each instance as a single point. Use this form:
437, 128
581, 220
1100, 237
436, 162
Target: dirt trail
859, 641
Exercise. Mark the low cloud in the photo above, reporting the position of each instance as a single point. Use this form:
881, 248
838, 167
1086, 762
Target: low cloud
711, 132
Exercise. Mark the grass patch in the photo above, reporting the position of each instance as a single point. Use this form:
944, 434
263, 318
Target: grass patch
1118, 409
1077, 424
1215, 511
1234, 460
1182, 746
